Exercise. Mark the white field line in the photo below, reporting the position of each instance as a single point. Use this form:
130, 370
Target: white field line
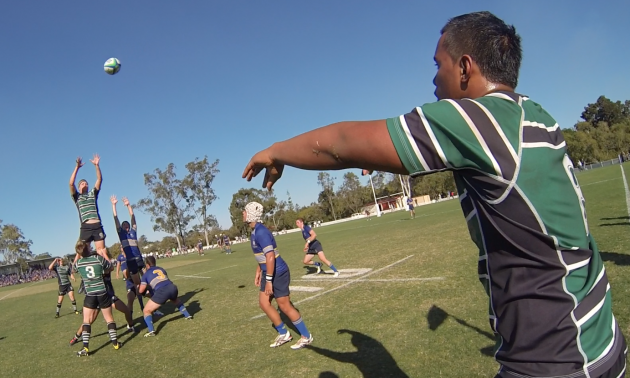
18, 290
177, 275
213, 270
599, 182
377, 279
343, 285
625, 185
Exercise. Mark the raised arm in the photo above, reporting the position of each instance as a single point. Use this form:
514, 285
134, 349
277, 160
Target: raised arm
99, 178
133, 217
114, 202
52, 265
359, 144
73, 188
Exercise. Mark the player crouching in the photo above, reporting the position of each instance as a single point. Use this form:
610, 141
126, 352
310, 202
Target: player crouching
163, 290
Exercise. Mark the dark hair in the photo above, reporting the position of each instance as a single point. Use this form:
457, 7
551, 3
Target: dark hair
300, 219
123, 224
492, 44
150, 260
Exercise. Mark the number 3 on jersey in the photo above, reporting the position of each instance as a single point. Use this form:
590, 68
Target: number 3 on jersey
90, 271
160, 274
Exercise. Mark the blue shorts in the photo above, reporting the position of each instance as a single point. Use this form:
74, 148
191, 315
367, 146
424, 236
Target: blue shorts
280, 284
130, 286
314, 248
164, 294
134, 264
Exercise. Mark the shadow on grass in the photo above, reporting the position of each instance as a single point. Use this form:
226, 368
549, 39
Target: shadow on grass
192, 307
618, 258
2, 338
614, 224
371, 357
616, 218
310, 269
327, 374
436, 316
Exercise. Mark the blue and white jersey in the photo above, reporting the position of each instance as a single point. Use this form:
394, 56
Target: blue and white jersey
263, 242
129, 241
155, 277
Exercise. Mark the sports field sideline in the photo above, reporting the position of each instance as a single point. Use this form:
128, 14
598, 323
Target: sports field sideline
407, 304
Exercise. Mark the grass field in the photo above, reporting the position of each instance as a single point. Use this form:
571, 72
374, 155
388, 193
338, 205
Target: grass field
419, 312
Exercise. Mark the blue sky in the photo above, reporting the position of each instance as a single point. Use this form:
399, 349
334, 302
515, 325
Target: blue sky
227, 79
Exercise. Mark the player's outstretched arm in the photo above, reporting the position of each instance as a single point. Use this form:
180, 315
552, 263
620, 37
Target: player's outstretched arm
355, 144
133, 217
52, 264
99, 178
73, 189
114, 201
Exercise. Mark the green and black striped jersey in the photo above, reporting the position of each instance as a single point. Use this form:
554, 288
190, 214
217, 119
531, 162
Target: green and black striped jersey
549, 297
87, 204
92, 269
63, 274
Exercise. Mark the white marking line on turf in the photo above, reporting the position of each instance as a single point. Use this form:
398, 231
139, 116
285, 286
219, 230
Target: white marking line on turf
213, 270
599, 182
625, 185
344, 285
344, 273
309, 289
191, 276
383, 279
13, 292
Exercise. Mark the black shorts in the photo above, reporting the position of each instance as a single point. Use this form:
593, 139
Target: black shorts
97, 301
92, 232
280, 284
110, 291
65, 289
164, 294
410, 207
314, 248
134, 265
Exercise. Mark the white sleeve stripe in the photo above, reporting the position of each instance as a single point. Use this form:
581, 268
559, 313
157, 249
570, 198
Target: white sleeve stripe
544, 144
480, 139
427, 127
541, 126
412, 141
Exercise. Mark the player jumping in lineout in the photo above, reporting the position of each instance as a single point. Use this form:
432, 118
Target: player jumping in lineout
63, 271
129, 242
87, 204
313, 247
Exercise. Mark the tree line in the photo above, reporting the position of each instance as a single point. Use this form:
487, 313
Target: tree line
180, 207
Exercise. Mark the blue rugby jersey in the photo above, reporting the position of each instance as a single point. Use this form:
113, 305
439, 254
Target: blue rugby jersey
263, 242
155, 277
122, 261
306, 232
129, 241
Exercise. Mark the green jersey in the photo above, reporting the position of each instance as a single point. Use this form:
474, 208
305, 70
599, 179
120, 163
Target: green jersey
549, 297
63, 274
87, 205
92, 269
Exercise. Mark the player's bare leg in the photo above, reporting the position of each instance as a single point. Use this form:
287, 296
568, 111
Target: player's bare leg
287, 307
149, 308
120, 306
